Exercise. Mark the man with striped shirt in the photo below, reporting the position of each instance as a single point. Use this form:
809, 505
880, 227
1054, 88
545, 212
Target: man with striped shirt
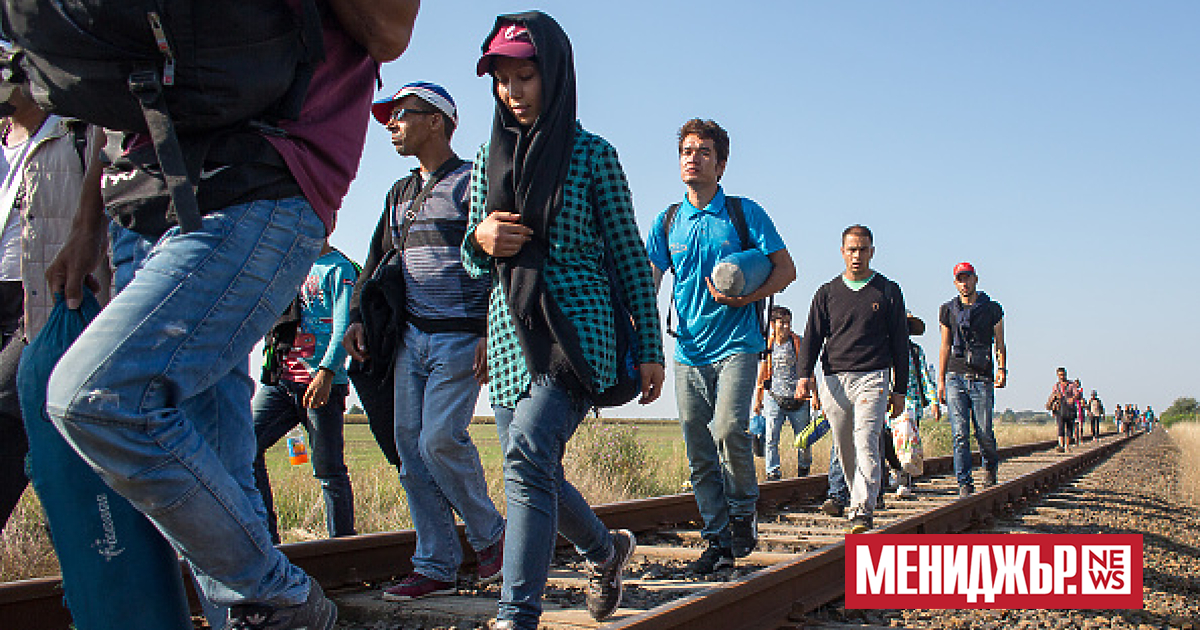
440, 359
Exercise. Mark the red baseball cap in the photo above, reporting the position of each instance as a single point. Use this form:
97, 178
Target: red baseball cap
511, 40
963, 267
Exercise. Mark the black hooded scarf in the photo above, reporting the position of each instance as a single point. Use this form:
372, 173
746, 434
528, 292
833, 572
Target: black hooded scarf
526, 171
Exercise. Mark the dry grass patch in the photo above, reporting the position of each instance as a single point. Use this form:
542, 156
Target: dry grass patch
1186, 435
25, 550
607, 461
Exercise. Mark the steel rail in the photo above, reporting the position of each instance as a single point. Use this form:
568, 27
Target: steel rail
770, 597
351, 561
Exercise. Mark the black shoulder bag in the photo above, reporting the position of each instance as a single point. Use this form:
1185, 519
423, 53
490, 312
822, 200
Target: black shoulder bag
384, 297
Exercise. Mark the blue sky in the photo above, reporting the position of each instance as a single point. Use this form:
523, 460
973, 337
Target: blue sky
1054, 145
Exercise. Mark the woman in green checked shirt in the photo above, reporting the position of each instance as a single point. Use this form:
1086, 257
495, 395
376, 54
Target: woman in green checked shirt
545, 197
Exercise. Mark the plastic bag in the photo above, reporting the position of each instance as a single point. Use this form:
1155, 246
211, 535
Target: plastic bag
813, 431
758, 425
907, 440
119, 573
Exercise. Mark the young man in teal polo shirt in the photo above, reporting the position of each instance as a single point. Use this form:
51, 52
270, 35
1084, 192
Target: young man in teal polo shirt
718, 340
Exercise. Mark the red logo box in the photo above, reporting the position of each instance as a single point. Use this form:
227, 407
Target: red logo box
999, 571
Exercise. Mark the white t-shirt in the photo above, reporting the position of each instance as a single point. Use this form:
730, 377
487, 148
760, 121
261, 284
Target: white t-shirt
11, 167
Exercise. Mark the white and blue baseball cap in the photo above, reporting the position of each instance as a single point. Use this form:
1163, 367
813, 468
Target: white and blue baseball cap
431, 93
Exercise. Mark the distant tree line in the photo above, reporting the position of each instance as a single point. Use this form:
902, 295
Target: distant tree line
1184, 409
1025, 417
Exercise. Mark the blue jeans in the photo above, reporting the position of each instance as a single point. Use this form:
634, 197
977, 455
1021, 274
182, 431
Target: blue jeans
838, 490
155, 393
533, 438
969, 403
775, 418
278, 409
714, 414
435, 401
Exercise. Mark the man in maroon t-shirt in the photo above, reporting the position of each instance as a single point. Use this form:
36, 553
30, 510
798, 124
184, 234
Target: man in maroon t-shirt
154, 393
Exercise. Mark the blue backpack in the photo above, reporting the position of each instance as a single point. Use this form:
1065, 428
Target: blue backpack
119, 573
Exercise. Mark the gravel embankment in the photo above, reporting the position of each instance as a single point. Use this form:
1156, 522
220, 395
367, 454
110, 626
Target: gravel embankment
1136, 491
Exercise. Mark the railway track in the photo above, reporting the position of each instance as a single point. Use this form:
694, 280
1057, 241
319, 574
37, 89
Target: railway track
797, 567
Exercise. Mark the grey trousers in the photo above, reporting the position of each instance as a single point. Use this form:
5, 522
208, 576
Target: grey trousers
856, 405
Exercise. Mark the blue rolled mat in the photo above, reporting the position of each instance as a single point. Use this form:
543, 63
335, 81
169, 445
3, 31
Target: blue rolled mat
741, 273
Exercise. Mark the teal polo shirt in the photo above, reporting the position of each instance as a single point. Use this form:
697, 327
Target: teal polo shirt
707, 331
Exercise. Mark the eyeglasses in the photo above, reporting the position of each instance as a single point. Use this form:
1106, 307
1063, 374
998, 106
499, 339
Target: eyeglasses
399, 113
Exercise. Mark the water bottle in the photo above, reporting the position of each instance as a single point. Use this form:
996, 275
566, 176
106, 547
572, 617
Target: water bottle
297, 451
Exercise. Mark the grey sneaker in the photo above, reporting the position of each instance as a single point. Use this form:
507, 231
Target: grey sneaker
965, 491
833, 507
712, 560
743, 531
316, 613
604, 583
860, 524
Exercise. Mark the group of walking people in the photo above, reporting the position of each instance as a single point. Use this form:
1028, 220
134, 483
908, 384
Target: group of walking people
1071, 409
508, 270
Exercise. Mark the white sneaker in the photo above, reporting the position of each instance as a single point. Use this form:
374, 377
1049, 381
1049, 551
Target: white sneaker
905, 492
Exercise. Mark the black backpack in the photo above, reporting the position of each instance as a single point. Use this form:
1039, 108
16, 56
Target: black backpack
168, 67
629, 377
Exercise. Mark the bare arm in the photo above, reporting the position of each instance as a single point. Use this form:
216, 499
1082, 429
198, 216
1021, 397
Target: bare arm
1001, 356
943, 361
383, 27
84, 247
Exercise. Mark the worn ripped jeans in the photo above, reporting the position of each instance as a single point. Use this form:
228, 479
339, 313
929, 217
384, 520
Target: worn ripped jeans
155, 394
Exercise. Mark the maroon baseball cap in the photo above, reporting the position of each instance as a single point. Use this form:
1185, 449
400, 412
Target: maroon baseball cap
963, 267
511, 40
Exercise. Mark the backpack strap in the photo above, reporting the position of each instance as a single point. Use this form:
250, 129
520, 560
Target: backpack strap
148, 89
738, 217
668, 221
414, 208
79, 137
